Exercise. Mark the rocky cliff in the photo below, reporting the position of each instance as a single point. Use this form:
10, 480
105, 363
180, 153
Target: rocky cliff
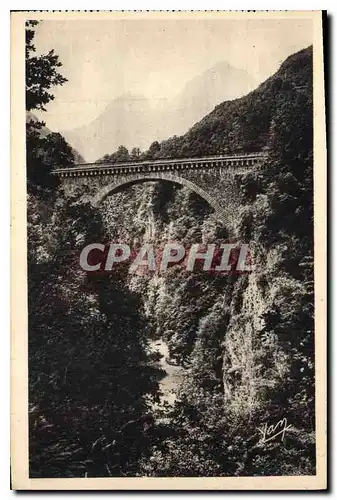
246, 341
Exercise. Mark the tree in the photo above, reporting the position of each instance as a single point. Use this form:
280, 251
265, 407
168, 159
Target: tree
41, 73
122, 155
105, 159
119, 156
153, 150
135, 154
42, 152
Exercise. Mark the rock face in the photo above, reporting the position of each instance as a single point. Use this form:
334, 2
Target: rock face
131, 216
216, 325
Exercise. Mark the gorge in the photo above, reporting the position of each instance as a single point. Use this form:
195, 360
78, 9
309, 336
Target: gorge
240, 347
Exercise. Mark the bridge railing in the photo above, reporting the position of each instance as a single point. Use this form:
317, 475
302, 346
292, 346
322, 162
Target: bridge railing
258, 156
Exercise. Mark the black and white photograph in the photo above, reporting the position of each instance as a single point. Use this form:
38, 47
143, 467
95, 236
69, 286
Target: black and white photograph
168, 210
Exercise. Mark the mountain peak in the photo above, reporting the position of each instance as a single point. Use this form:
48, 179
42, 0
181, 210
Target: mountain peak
135, 121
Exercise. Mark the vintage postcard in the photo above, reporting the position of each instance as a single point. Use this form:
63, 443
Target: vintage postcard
168, 251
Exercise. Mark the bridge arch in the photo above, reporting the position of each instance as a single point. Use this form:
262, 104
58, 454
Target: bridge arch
105, 191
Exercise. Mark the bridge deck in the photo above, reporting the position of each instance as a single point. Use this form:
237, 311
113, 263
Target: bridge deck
234, 160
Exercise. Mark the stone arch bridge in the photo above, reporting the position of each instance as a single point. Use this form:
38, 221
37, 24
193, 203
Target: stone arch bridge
215, 178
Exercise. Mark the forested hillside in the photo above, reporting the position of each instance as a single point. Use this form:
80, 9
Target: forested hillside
245, 342
240, 125
244, 124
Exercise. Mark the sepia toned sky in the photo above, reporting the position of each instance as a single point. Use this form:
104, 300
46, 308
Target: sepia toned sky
105, 59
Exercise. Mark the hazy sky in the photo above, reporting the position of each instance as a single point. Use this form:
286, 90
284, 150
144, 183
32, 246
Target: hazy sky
108, 58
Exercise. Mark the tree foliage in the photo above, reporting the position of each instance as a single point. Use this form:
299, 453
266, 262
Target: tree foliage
43, 151
89, 377
41, 73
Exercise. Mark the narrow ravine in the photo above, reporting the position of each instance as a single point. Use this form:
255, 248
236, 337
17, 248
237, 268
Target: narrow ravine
170, 382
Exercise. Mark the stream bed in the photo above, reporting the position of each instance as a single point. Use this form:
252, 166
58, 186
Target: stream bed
170, 382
